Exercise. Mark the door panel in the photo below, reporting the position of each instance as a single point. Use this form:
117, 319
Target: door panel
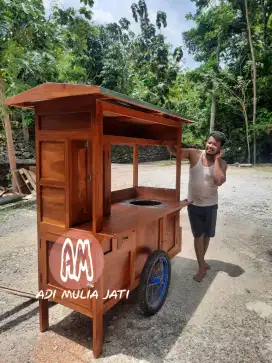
81, 188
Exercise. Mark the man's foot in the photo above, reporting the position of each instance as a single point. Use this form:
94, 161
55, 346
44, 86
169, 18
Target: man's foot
200, 275
207, 267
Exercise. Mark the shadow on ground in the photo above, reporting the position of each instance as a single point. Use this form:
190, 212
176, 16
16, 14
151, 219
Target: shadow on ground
21, 318
127, 332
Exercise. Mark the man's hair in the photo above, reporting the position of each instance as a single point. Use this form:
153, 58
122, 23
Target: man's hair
218, 136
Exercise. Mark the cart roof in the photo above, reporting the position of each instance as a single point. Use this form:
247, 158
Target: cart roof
50, 91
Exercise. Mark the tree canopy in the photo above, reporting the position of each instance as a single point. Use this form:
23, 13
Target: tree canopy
231, 38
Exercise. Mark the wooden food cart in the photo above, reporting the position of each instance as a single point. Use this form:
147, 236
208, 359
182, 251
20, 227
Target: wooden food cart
138, 228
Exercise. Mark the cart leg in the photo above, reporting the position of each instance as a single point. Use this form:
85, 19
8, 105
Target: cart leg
97, 310
97, 335
43, 313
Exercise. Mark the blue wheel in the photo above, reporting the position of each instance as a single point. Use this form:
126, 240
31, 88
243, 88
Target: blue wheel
154, 282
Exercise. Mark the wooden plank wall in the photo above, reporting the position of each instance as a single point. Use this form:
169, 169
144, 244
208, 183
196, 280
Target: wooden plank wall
64, 192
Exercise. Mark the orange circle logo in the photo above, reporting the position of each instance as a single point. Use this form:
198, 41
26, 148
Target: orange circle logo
76, 260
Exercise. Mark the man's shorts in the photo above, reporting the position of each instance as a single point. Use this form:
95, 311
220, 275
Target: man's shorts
203, 220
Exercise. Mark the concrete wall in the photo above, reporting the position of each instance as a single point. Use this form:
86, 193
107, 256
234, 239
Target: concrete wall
124, 154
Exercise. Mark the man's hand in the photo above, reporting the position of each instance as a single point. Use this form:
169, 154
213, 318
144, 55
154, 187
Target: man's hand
185, 153
187, 202
220, 168
172, 149
221, 154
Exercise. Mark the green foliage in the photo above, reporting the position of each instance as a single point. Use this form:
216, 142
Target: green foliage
9, 177
264, 122
67, 46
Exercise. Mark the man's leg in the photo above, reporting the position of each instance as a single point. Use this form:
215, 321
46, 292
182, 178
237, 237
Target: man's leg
197, 221
210, 226
200, 252
206, 241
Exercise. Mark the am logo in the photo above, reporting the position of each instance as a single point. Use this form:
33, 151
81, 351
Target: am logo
76, 260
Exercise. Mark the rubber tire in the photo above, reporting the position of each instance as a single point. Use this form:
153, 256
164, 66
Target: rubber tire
143, 305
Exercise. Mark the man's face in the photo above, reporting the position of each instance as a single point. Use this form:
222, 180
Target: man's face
213, 146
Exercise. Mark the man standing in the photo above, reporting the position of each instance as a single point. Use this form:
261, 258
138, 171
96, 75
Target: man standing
207, 173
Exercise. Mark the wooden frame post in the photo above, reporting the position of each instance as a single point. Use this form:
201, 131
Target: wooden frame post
43, 314
135, 165
107, 179
97, 168
178, 163
97, 310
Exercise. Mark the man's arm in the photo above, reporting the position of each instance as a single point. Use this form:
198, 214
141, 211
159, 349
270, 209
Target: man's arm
220, 169
185, 153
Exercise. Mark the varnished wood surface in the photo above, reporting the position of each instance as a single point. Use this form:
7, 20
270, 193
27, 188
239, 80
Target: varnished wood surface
80, 187
123, 140
120, 126
125, 217
74, 186
156, 193
178, 163
43, 315
97, 168
135, 165
109, 108
50, 91
65, 106
62, 135
107, 179
123, 194
97, 308
59, 91
67, 121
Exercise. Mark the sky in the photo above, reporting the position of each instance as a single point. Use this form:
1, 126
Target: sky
107, 11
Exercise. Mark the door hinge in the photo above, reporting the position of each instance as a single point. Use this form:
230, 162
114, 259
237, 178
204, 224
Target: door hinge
89, 177
86, 144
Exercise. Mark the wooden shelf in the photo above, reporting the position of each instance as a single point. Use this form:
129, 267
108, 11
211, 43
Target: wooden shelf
123, 140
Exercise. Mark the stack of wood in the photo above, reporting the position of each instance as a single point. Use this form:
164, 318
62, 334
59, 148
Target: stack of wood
26, 184
28, 178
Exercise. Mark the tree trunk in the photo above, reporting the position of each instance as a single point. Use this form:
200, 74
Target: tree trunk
213, 112
8, 131
25, 129
247, 134
213, 106
253, 79
265, 20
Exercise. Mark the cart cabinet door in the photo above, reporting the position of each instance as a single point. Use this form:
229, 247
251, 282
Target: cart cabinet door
52, 183
80, 188
172, 232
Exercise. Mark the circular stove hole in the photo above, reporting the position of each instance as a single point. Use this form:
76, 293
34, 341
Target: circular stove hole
145, 202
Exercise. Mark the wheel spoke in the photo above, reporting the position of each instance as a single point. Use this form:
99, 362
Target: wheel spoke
158, 291
161, 270
154, 281
154, 295
155, 272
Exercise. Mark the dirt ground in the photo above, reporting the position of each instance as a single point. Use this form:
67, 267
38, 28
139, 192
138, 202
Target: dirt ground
226, 318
